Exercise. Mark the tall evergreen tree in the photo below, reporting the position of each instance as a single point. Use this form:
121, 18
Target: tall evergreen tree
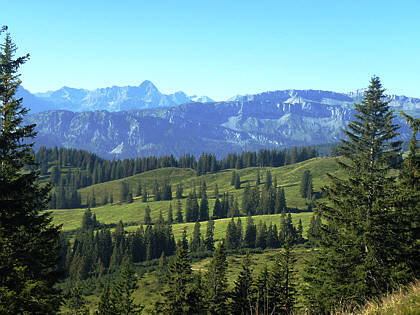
359, 253
242, 297
170, 215
216, 282
209, 240
147, 217
122, 292
28, 240
181, 297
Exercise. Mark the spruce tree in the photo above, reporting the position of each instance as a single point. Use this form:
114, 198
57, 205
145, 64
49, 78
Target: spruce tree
106, 305
216, 282
360, 245
209, 240
196, 239
170, 215
75, 301
122, 292
28, 240
242, 297
180, 295
147, 217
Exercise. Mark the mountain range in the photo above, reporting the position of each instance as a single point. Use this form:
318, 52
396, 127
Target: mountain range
154, 124
114, 98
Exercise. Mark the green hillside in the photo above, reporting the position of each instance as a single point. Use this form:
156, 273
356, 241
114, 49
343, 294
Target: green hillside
288, 177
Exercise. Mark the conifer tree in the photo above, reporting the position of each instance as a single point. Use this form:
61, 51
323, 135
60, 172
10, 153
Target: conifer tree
359, 253
204, 208
75, 301
147, 217
181, 296
170, 215
179, 217
216, 282
407, 199
250, 233
196, 239
106, 305
242, 297
122, 292
28, 240
209, 240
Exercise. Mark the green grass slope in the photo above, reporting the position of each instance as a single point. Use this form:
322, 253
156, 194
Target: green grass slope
288, 177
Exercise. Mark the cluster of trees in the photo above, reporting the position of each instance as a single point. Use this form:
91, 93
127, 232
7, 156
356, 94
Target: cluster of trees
272, 291
96, 252
71, 169
369, 239
261, 236
270, 200
306, 188
207, 163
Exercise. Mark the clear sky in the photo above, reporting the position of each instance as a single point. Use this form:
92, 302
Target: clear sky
218, 48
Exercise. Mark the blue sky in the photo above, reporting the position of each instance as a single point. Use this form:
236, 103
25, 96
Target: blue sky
218, 48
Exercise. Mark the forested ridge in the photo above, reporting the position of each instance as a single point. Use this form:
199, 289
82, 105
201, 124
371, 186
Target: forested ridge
361, 242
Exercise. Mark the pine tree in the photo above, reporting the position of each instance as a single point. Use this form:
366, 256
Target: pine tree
216, 282
179, 217
122, 292
250, 233
360, 249
242, 297
407, 199
282, 283
181, 296
147, 217
209, 240
204, 208
106, 305
28, 240
170, 215
196, 239
75, 301
237, 182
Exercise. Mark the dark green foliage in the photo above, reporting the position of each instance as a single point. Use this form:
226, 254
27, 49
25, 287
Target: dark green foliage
306, 188
360, 252
233, 238
314, 230
196, 239
28, 240
170, 215
268, 180
75, 301
216, 282
250, 233
204, 208
209, 240
106, 305
179, 217
138, 190
242, 296
181, 296
122, 291
262, 292
179, 191
147, 218
282, 283
280, 202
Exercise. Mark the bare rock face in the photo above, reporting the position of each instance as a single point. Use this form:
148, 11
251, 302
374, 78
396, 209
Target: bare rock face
268, 120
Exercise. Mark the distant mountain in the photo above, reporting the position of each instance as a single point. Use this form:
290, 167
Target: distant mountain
268, 120
115, 98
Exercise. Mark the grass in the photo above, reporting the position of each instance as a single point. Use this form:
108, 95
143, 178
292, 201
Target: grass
404, 301
288, 177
